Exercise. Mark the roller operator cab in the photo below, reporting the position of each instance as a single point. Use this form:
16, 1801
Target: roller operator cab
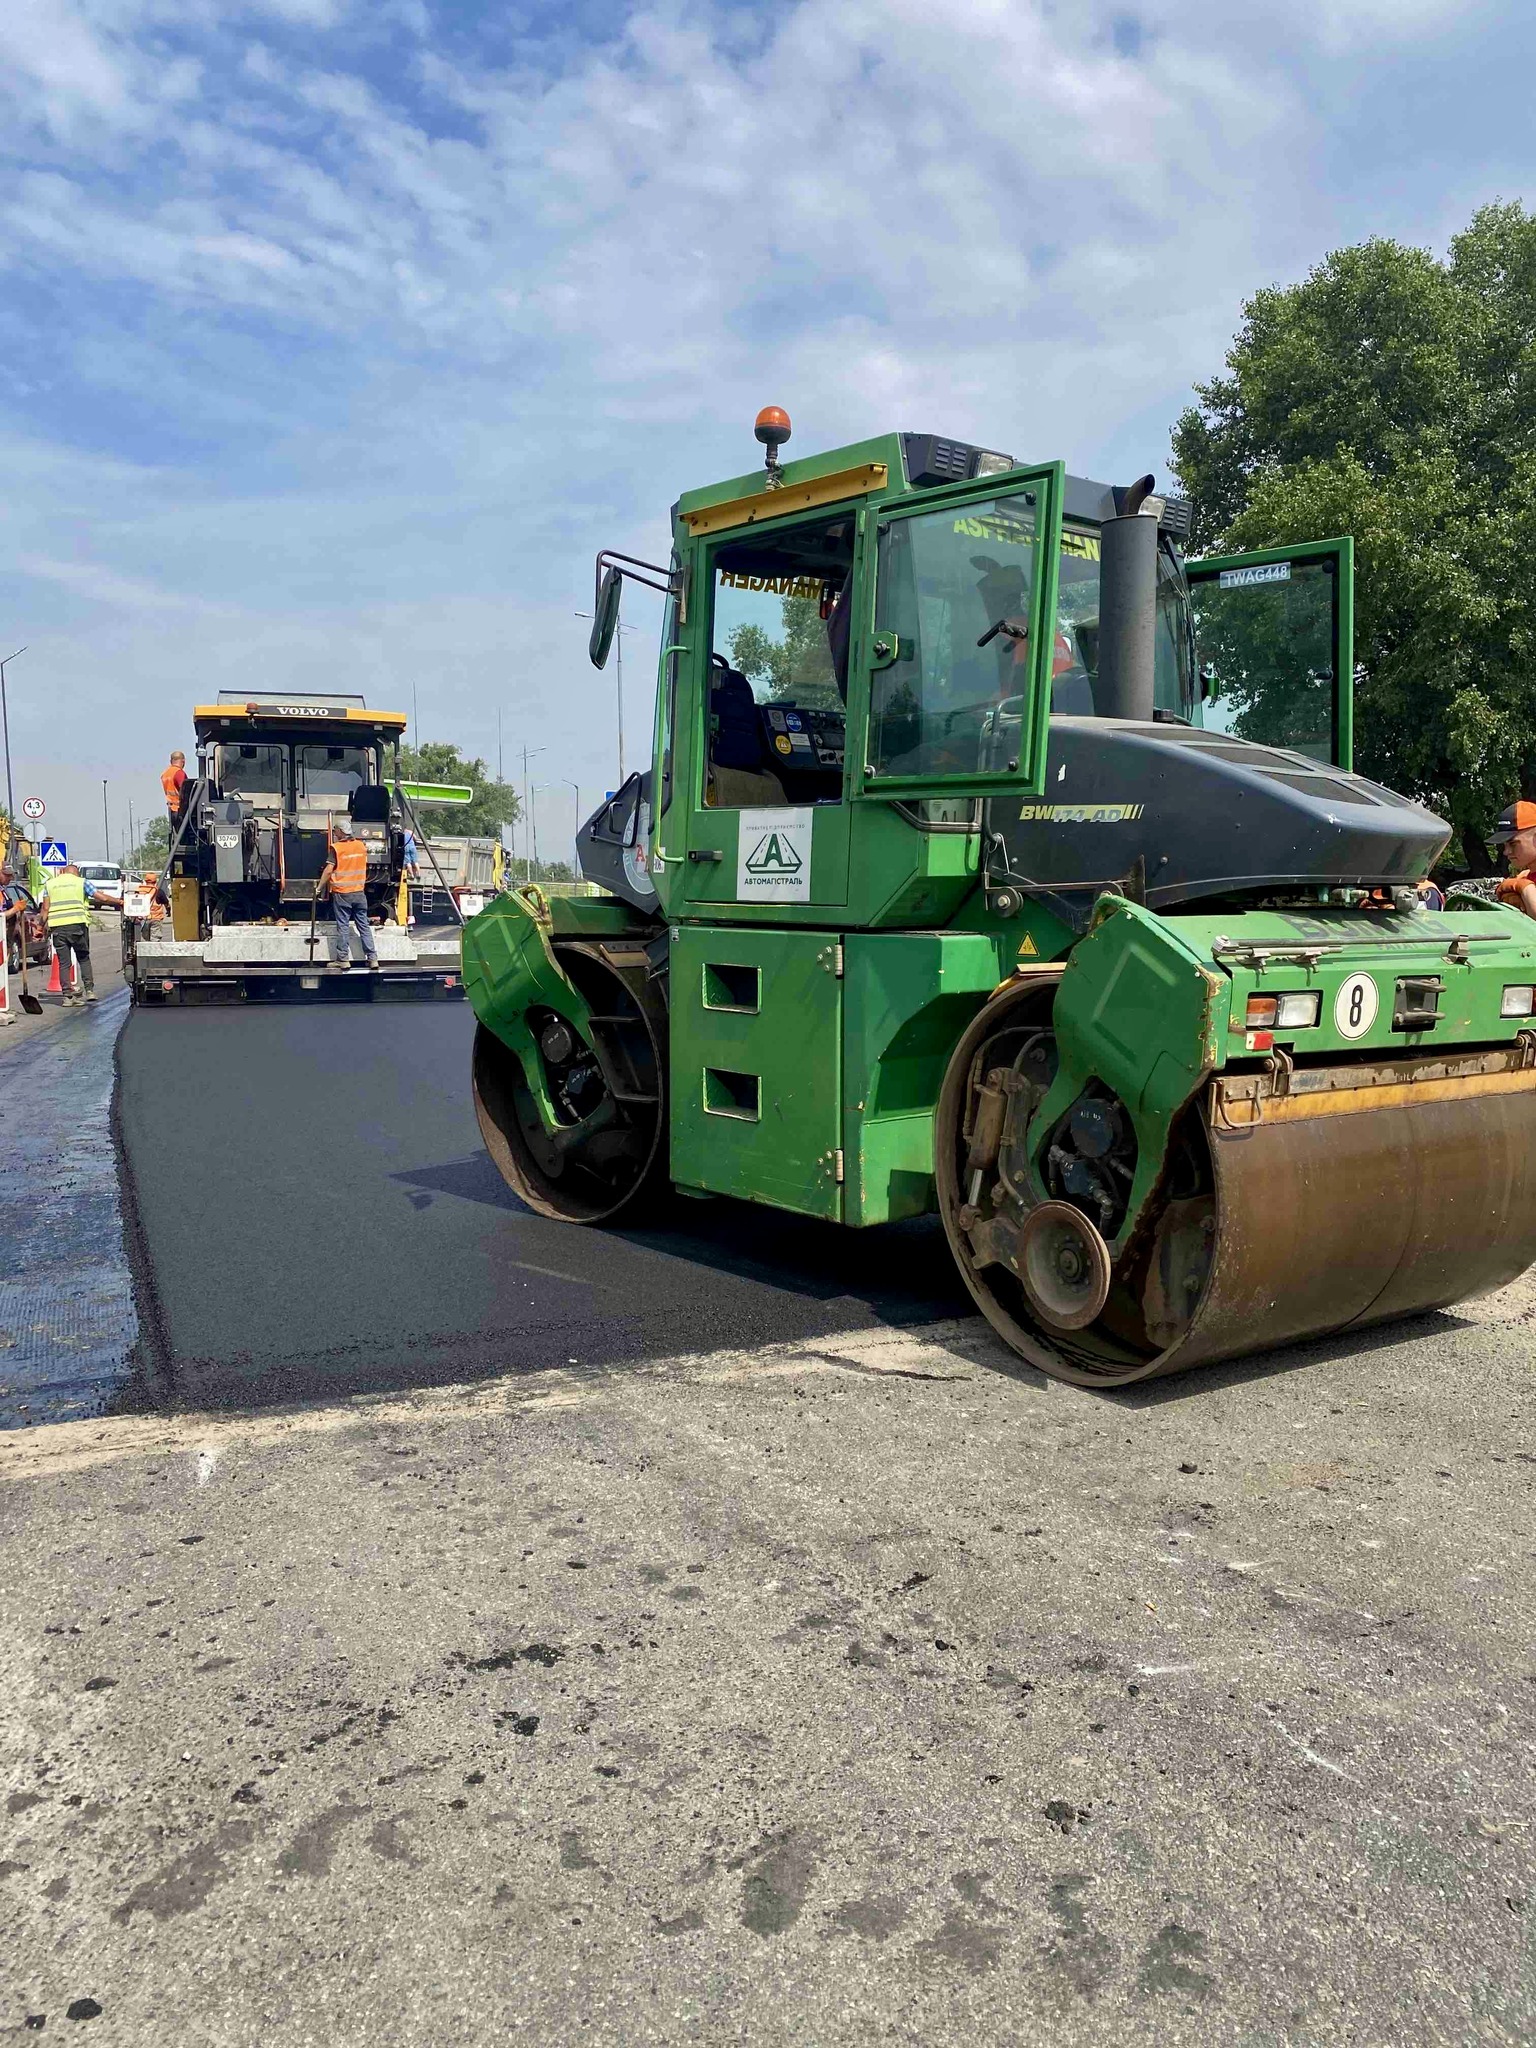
996, 859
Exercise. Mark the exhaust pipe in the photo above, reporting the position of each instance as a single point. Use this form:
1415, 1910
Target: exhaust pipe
1128, 609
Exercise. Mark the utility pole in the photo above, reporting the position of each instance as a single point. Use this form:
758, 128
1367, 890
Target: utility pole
576, 863
106, 824
5, 722
132, 836
618, 633
529, 849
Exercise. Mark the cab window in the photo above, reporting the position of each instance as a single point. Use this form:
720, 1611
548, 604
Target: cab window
781, 606
251, 771
1075, 662
1265, 633
330, 772
952, 628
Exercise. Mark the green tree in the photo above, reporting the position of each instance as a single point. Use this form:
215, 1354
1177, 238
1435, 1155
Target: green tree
154, 844
495, 803
798, 668
1392, 395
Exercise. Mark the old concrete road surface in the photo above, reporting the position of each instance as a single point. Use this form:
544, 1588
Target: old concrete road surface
774, 1674
846, 1691
317, 1216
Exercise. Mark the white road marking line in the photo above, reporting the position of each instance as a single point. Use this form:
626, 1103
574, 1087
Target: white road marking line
207, 1458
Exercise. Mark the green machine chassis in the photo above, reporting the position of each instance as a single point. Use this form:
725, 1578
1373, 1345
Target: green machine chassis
906, 1035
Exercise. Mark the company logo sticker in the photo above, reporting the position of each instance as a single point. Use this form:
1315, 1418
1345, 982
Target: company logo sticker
773, 856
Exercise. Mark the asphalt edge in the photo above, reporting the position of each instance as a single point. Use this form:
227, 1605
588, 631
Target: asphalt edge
150, 1380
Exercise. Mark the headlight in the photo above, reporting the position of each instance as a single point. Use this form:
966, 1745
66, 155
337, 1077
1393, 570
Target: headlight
1299, 1011
1518, 1001
1294, 1012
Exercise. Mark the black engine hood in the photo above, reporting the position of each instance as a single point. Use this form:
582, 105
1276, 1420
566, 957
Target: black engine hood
1206, 814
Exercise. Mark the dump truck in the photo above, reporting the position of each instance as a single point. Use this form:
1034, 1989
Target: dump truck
455, 871
235, 914
996, 858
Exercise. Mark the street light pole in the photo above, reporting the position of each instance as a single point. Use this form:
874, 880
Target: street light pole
619, 636
576, 865
618, 633
5, 723
528, 848
106, 824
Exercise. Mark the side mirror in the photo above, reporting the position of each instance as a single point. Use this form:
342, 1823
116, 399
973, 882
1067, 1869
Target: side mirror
605, 617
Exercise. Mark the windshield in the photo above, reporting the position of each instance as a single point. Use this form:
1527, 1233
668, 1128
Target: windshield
252, 771
953, 603
1077, 631
952, 610
326, 772
94, 871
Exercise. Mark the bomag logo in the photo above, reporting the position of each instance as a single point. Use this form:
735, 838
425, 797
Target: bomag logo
774, 854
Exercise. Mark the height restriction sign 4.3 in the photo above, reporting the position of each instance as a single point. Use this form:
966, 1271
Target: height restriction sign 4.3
32, 807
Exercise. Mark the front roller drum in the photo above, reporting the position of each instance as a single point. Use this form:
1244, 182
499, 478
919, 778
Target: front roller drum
606, 1155
1291, 1206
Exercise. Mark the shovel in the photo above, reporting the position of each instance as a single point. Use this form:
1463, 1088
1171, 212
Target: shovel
29, 1001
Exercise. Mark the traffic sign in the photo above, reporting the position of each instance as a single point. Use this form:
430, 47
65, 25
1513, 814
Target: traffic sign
33, 807
55, 854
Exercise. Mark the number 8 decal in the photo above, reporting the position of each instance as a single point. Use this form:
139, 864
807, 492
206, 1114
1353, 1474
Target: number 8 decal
1354, 1007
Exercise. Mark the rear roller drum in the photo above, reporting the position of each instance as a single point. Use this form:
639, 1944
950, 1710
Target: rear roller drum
1286, 1206
605, 1152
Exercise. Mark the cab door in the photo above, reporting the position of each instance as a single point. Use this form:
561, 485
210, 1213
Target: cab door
767, 811
963, 639
1275, 646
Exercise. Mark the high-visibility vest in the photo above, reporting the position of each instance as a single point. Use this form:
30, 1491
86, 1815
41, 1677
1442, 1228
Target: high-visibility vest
351, 858
67, 902
171, 780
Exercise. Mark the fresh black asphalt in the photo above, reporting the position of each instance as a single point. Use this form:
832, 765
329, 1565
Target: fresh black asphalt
316, 1216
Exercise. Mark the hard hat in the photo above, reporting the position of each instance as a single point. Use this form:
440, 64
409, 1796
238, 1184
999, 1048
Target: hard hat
1518, 817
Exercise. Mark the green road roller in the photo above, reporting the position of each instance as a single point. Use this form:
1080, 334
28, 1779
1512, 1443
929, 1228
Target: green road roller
995, 858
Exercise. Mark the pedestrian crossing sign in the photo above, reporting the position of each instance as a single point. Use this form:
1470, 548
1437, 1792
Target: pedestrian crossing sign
55, 854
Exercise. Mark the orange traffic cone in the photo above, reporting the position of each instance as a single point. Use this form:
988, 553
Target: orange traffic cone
55, 986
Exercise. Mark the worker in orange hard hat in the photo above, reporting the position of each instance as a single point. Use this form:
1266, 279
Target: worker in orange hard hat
1515, 837
173, 780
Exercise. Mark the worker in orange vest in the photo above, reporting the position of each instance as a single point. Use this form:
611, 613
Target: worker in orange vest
173, 780
1515, 837
346, 876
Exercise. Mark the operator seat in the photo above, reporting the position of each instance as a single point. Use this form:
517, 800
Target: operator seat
739, 775
369, 804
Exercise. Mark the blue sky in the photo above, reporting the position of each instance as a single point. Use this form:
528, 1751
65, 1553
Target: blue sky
337, 335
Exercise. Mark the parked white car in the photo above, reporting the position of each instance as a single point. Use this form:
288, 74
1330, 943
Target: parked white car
106, 883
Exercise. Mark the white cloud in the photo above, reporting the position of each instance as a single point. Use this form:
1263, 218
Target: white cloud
432, 333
